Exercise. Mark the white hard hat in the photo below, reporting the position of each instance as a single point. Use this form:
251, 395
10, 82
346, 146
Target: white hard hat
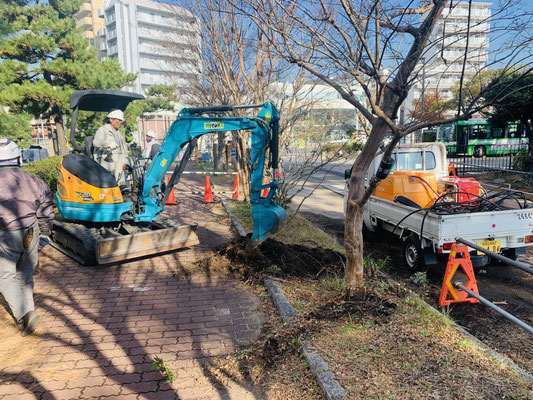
9, 151
151, 134
116, 114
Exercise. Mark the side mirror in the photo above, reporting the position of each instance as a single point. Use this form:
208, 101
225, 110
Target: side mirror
347, 174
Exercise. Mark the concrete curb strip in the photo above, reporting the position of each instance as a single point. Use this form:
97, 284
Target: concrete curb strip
279, 299
318, 366
234, 220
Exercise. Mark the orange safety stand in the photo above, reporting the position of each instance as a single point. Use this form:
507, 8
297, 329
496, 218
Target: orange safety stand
171, 200
235, 194
208, 194
451, 268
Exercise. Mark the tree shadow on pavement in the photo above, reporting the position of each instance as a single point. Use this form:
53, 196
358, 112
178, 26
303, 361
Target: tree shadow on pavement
102, 329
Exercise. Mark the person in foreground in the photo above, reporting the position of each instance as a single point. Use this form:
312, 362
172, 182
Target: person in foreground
26, 207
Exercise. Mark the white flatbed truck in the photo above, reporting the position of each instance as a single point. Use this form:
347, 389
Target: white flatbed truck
508, 232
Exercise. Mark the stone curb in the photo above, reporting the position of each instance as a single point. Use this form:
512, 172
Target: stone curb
317, 365
236, 223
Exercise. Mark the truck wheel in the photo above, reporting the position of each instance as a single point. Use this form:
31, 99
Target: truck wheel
479, 151
413, 255
368, 235
509, 253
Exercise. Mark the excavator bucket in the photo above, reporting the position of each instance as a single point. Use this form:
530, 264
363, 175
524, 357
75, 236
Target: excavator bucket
268, 218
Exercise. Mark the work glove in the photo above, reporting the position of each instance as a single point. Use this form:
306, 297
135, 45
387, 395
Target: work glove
113, 146
43, 242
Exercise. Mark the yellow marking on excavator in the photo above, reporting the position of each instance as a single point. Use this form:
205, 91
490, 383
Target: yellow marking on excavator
214, 125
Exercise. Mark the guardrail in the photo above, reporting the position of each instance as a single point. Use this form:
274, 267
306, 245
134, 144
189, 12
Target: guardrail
497, 256
493, 306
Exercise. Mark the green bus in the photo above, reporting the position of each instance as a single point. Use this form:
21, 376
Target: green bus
476, 137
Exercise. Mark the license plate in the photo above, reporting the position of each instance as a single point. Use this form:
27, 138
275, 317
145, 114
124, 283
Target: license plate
493, 245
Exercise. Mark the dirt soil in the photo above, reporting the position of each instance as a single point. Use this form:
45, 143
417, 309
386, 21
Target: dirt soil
508, 286
275, 258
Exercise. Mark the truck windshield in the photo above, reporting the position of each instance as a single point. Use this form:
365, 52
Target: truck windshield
412, 161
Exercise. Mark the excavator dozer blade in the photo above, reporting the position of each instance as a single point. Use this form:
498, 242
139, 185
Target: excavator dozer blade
93, 245
142, 244
267, 220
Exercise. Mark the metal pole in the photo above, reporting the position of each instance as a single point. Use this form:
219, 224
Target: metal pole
510, 317
497, 256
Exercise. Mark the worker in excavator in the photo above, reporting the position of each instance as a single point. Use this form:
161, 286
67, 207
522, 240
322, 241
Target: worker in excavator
26, 218
111, 149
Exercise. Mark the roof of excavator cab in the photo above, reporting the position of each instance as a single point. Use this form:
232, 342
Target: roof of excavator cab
102, 99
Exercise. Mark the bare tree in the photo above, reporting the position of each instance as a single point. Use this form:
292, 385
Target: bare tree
237, 65
380, 45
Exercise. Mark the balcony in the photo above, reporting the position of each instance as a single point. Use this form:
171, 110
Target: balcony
101, 32
86, 7
110, 18
102, 47
101, 13
83, 22
112, 50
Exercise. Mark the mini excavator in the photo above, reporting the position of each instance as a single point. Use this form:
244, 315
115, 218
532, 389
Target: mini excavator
102, 223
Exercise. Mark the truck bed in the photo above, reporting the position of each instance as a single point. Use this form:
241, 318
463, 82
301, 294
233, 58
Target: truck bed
508, 226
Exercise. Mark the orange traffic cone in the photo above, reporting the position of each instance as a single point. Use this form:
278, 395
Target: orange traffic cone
264, 193
208, 194
171, 200
451, 268
235, 194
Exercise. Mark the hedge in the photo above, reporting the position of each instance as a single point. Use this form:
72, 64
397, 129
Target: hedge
46, 170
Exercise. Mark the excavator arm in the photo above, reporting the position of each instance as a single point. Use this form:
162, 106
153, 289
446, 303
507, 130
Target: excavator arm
190, 125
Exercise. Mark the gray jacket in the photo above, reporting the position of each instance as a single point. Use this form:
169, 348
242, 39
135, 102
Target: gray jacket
24, 198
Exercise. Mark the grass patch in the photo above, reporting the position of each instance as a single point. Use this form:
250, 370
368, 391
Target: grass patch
410, 352
298, 230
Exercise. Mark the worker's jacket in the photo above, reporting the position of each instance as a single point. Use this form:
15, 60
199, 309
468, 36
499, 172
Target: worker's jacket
151, 149
111, 150
24, 198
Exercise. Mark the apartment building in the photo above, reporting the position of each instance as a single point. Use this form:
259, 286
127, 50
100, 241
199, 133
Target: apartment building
88, 20
157, 42
441, 66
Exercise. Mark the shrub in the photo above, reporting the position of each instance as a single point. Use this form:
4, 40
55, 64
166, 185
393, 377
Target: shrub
46, 170
520, 159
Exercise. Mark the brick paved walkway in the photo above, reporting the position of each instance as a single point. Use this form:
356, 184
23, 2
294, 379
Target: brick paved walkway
102, 328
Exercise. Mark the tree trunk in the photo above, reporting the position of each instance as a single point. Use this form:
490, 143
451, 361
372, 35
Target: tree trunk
220, 147
62, 142
353, 237
353, 228
214, 154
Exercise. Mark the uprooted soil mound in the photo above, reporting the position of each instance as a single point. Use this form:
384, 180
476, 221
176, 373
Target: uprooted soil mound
367, 304
276, 258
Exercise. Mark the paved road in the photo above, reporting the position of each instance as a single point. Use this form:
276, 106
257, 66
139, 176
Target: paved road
322, 193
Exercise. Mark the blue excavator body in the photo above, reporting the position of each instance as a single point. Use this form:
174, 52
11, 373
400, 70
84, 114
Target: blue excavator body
88, 194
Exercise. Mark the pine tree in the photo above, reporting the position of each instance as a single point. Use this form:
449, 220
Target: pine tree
44, 58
